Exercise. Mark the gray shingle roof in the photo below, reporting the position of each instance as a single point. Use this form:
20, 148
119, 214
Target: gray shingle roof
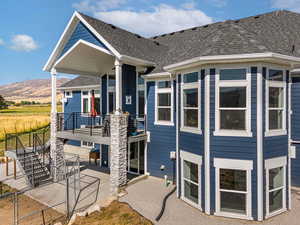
82, 81
277, 32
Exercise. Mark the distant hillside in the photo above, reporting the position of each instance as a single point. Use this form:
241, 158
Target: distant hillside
30, 90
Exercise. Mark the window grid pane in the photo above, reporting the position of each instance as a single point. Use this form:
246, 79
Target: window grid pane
275, 119
164, 99
232, 119
164, 114
233, 74
232, 97
234, 180
190, 77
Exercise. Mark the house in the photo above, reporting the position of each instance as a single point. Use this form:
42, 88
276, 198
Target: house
209, 107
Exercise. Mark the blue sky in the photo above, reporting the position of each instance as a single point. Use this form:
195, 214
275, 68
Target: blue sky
31, 28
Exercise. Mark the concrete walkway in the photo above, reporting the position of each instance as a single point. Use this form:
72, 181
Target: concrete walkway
94, 187
146, 197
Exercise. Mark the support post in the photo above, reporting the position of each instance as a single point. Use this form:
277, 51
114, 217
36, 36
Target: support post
15, 170
118, 67
6, 163
118, 157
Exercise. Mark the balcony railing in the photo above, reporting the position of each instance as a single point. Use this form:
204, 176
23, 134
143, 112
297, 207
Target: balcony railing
83, 123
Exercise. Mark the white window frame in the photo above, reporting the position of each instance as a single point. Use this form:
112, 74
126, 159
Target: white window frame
272, 164
233, 83
194, 85
89, 97
196, 159
279, 84
70, 94
86, 146
234, 164
139, 87
164, 90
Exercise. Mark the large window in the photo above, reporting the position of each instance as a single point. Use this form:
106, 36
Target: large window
140, 96
233, 188
190, 179
276, 185
86, 101
164, 103
275, 98
190, 98
233, 100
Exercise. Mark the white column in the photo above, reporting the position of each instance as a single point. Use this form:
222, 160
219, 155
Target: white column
53, 91
118, 67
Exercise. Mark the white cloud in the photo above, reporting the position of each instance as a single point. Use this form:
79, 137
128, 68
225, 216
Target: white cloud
1, 42
286, 4
98, 5
218, 3
161, 19
23, 42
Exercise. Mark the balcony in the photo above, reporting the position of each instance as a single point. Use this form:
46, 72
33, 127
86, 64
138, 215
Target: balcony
85, 127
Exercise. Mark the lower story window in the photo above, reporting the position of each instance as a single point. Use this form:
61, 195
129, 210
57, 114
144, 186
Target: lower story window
276, 185
233, 188
190, 180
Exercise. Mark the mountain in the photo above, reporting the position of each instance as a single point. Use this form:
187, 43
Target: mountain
38, 90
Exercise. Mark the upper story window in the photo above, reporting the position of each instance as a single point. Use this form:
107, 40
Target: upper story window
275, 102
140, 96
86, 101
233, 102
164, 103
68, 94
190, 98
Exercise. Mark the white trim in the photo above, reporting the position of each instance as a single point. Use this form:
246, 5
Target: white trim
272, 164
207, 141
184, 86
233, 83
279, 84
259, 142
231, 59
196, 159
164, 90
177, 139
88, 87
135, 61
245, 165
290, 137
161, 75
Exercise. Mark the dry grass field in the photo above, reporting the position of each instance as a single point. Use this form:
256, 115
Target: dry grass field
23, 119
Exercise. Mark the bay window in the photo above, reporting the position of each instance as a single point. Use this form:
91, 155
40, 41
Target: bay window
233, 102
276, 102
276, 185
190, 98
164, 103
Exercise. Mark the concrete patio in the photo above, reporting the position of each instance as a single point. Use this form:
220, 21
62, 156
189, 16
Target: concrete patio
146, 197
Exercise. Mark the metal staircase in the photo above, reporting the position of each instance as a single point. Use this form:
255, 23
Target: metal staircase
34, 160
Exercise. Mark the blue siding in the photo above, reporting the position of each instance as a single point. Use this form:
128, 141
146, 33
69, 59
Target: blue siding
129, 88
296, 167
243, 148
75, 143
83, 33
162, 139
73, 104
295, 92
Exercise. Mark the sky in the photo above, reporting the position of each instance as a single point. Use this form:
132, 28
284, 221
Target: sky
31, 28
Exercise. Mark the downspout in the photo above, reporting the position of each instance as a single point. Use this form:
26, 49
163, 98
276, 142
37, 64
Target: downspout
290, 138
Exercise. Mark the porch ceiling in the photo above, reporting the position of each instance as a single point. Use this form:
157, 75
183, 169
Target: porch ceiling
85, 58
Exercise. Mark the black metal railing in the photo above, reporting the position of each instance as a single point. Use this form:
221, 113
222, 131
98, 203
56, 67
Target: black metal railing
77, 122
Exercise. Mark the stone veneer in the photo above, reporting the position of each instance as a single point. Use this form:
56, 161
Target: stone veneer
118, 154
56, 151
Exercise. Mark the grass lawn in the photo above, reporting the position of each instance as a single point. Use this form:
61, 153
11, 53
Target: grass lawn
20, 119
115, 214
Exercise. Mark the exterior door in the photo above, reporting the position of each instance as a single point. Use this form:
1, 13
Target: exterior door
136, 158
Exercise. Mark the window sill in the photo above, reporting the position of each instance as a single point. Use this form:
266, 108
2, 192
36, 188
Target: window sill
233, 133
275, 213
233, 215
163, 123
190, 130
275, 133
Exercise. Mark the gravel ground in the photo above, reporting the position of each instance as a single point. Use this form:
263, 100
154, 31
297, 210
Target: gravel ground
146, 196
